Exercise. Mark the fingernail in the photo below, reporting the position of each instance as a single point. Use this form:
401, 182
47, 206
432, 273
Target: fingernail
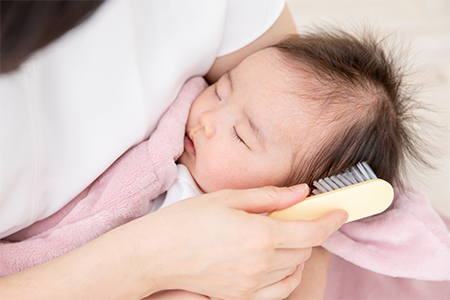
303, 266
345, 218
299, 188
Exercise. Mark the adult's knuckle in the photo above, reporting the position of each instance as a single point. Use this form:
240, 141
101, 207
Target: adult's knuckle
274, 194
271, 191
240, 290
283, 290
286, 290
245, 297
266, 241
248, 284
249, 245
307, 254
261, 267
260, 242
235, 295
255, 269
320, 236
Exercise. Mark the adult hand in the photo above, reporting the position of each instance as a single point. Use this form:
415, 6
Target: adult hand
216, 244
219, 245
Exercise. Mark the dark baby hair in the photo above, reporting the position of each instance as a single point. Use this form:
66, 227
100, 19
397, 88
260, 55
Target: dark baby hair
27, 26
356, 89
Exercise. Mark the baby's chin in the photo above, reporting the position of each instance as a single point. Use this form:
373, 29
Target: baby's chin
203, 186
206, 186
182, 158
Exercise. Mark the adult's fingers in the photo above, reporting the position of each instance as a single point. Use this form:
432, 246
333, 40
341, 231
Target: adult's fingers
305, 234
281, 289
265, 199
292, 234
288, 259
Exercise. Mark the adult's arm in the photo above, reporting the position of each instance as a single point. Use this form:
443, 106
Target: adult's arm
280, 29
312, 286
215, 244
314, 277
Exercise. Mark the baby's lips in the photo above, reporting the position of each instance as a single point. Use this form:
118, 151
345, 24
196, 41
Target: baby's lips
189, 144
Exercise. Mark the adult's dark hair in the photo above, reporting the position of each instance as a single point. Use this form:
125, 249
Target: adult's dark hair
356, 89
27, 26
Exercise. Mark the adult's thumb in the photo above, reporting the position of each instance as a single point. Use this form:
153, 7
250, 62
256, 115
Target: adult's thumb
267, 199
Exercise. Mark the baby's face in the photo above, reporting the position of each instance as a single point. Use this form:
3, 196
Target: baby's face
240, 131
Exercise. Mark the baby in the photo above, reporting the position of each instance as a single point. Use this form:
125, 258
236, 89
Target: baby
307, 108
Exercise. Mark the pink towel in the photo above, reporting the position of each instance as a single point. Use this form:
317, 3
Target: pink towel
122, 193
349, 281
403, 253
408, 240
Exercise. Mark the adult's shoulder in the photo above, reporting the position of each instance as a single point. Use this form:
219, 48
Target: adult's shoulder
250, 26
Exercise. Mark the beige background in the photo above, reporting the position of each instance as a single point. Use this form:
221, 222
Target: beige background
424, 26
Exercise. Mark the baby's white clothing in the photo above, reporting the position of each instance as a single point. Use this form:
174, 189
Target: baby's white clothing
183, 187
78, 104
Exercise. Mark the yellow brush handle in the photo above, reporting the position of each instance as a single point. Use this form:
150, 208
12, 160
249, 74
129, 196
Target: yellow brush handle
359, 200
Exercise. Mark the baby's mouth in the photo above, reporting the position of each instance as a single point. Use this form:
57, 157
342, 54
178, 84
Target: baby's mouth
189, 144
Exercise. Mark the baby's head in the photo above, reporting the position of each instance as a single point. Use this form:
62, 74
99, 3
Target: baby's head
301, 110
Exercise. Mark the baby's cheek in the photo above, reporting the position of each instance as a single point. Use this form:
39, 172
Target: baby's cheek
220, 173
236, 179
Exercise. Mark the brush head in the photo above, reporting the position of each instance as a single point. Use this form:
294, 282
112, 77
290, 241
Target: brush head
356, 174
357, 191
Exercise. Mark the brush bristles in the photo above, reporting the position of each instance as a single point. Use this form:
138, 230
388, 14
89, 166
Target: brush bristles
359, 173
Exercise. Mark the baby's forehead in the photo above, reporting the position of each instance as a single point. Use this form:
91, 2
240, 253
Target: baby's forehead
280, 98
286, 124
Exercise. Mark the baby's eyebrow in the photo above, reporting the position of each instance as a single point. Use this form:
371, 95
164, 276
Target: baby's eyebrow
256, 129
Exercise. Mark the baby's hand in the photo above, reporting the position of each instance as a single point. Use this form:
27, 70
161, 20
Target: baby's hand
176, 295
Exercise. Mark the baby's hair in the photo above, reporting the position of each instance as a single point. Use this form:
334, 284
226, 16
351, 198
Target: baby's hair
356, 90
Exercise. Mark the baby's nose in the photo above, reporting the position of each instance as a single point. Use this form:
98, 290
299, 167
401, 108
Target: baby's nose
208, 120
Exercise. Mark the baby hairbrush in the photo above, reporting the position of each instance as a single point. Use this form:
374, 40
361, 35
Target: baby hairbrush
357, 191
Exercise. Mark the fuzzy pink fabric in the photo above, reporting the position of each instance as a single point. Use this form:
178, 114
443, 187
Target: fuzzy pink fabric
122, 193
349, 281
403, 253
408, 240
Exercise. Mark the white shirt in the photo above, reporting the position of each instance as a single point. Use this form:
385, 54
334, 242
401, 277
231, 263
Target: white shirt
183, 187
78, 104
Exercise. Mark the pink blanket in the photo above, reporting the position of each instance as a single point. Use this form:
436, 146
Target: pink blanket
409, 240
403, 253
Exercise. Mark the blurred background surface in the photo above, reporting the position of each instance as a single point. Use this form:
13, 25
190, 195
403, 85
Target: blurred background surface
423, 26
